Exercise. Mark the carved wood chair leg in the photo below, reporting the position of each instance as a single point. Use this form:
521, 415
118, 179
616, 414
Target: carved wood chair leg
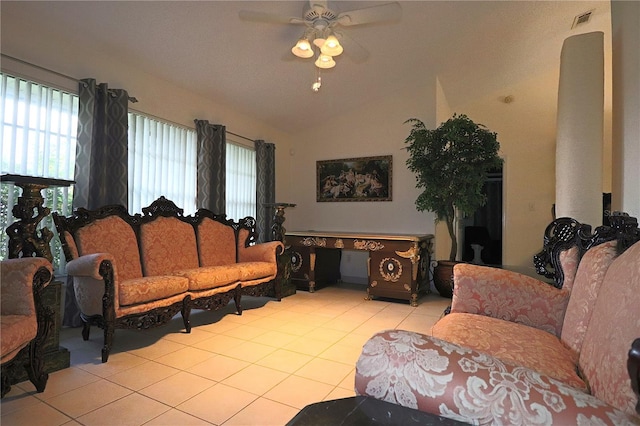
86, 328
237, 298
186, 313
108, 341
6, 386
35, 367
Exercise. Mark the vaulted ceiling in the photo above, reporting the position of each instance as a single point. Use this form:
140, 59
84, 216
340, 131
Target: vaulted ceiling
473, 47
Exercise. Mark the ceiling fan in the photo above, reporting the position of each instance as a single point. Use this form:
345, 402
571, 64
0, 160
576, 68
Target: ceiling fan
322, 35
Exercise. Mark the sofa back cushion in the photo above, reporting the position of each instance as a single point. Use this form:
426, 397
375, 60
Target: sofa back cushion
589, 277
614, 324
243, 234
168, 244
115, 236
216, 243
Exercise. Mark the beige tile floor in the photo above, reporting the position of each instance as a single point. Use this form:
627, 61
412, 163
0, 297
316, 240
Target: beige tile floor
259, 368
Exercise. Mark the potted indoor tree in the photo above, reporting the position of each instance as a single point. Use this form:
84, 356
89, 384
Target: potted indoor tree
451, 165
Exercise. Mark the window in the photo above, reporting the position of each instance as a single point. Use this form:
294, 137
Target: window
241, 181
38, 138
162, 161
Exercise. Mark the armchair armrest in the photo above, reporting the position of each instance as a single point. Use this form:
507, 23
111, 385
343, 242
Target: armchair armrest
435, 376
20, 279
508, 295
263, 252
93, 279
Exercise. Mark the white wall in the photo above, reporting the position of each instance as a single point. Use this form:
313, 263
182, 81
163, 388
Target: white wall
527, 145
375, 130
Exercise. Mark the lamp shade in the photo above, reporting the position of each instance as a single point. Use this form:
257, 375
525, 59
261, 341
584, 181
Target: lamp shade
325, 62
331, 46
302, 49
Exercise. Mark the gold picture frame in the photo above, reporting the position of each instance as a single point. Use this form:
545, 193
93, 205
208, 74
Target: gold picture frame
354, 179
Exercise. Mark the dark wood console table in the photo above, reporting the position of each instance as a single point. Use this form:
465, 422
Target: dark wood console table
398, 264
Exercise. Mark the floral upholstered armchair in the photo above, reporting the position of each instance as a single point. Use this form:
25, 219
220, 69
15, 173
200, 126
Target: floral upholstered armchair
25, 322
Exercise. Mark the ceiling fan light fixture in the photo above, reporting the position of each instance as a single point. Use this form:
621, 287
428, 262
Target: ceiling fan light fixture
302, 49
319, 42
325, 62
331, 46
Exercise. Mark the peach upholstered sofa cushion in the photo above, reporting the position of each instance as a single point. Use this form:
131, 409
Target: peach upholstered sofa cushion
112, 235
526, 346
569, 260
167, 245
507, 295
589, 277
148, 289
216, 243
603, 358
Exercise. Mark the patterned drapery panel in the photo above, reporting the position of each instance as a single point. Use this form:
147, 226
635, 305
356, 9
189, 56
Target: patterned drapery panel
212, 147
101, 170
265, 188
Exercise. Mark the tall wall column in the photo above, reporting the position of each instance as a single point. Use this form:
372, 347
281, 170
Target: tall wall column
580, 129
625, 20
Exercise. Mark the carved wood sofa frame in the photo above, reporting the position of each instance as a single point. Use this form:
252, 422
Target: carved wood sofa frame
564, 234
162, 207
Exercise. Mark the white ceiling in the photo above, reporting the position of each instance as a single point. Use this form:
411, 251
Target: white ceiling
475, 48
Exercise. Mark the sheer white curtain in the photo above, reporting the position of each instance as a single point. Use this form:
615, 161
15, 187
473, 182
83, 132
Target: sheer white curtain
162, 161
38, 138
241, 181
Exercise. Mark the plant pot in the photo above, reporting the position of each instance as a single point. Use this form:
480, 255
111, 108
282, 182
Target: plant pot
443, 277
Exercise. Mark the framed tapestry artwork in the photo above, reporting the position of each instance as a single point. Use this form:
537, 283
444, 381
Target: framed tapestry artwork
354, 179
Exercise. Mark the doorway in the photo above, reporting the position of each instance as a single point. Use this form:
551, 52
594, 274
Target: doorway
482, 232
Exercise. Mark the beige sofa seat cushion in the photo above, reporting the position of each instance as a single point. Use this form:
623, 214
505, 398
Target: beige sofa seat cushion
115, 236
211, 277
614, 324
167, 245
513, 343
216, 243
257, 270
16, 331
148, 289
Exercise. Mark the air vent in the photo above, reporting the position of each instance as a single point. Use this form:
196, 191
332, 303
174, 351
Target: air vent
581, 19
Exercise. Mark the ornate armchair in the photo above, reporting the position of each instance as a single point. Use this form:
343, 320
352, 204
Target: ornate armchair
25, 322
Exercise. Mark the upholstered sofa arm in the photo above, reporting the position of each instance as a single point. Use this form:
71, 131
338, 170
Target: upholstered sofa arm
18, 278
432, 375
508, 295
92, 279
88, 265
263, 252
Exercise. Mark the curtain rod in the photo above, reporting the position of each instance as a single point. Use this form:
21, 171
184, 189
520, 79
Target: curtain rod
78, 81
59, 74
240, 136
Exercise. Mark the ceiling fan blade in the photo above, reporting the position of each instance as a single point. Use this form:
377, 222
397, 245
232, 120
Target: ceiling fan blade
381, 13
249, 15
352, 48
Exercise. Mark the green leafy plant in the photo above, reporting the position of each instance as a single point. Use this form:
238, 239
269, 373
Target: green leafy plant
451, 165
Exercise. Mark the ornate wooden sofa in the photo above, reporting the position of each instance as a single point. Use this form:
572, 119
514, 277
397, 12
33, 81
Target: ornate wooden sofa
515, 350
139, 271
25, 321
